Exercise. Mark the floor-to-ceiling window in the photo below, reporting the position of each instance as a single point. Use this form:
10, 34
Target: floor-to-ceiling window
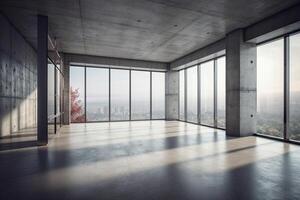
77, 93
58, 96
202, 93
140, 95
158, 95
192, 92
51, 96
119, 94
294, 100
278, 87
97, 94
182, 95
270, 88
55, 84
207, 93
116, 94
221, 92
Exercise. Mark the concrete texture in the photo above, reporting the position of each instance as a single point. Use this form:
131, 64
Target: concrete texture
276, 25
240, 85
42, 78
76, 59
66, 92
18, 82
172, 95
157, 30
201, 55
151, 160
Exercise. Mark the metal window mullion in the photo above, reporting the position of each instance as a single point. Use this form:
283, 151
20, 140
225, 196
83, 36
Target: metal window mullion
130, 95
55, 103
109, 94
166, 85
199, 93
286, 87
215, 93
185, 94
167, 78
150, 95
85, 117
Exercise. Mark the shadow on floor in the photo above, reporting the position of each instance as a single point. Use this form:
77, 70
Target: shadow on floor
17, 145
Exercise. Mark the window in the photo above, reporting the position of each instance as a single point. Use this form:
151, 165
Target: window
192, 94
211, 106
51, 97
294, 101
59, 84
270, 74
115, 94
97, 94
140, 95
58, 87
55, 84
221, 92
207, 93
158, 95
119, 94
77, 93
182, 95
51, 91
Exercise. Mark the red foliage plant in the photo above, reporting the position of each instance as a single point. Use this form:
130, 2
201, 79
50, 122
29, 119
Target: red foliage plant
77, 111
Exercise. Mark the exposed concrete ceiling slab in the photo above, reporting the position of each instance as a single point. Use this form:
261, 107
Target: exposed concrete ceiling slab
154, 30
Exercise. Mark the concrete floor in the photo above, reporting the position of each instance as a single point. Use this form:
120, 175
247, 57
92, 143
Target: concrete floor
150, 160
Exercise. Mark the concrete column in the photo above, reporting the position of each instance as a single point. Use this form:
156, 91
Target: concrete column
240, 85
67, 98
42, 80
172, 95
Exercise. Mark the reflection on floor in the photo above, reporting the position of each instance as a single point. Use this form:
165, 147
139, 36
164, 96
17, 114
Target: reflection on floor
151, 160
19, 139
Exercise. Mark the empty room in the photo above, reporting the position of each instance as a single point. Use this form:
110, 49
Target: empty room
149, 99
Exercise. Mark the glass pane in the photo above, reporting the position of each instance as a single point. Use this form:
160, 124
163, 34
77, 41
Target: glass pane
57, 91
51, 96
181, 95
294, 118
221, 89
207, 93
97, 94
119, 94
51, 77
192, 94
77, 94
270, 88
140, 95
158, 95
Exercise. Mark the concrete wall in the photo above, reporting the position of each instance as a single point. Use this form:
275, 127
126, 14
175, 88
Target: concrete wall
201, 55
18, 82
77, 59
276, 25
67, 99
240, 85
172, 95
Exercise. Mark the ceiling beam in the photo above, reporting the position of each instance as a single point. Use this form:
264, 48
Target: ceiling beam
87, 60
276, 25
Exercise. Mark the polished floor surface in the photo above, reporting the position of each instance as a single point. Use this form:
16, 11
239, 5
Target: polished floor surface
150, 160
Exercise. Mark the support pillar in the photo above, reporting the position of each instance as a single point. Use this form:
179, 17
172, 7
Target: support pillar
67, 97
42, 80
172, 95
240, 85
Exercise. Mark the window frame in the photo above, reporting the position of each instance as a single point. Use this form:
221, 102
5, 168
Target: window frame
199, 93
130, 92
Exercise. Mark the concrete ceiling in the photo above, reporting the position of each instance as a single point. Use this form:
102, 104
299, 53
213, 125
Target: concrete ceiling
156, 30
